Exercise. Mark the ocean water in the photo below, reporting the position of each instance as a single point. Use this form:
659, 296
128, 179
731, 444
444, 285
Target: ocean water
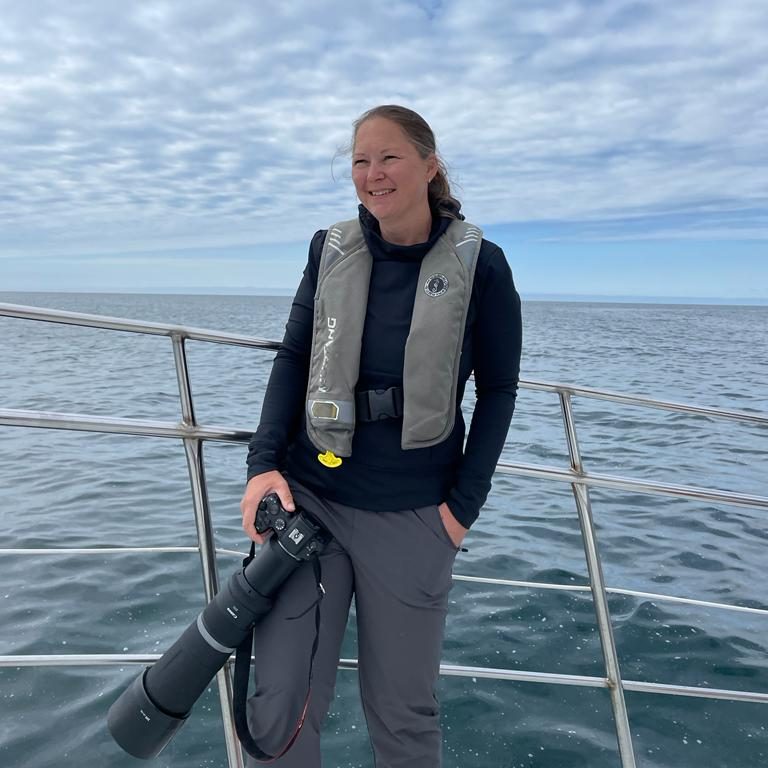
76, 489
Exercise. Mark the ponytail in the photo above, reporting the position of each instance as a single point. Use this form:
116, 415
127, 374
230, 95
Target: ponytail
440, 198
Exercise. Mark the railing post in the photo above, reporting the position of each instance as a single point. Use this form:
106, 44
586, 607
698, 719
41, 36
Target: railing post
597, 584
193, 448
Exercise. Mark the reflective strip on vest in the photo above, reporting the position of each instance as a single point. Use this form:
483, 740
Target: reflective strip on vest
432, 350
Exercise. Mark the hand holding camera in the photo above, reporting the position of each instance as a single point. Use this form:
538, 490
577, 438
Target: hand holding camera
258, 488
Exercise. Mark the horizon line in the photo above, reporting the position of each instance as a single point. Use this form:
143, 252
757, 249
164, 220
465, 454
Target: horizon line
525, 296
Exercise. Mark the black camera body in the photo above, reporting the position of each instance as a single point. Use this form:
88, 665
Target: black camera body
149, 712
299, 534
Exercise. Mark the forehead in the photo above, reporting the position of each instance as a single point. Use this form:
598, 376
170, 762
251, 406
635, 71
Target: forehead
379, 133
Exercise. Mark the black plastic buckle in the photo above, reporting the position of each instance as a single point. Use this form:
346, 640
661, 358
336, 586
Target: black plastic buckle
377, 404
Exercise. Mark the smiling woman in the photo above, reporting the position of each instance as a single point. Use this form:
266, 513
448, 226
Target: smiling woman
362, 427
391, 179
394, 151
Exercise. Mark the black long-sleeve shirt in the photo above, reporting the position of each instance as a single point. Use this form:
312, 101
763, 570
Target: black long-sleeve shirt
379, 475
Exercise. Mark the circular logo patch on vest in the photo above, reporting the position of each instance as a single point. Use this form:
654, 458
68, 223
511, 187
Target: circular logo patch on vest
436, 285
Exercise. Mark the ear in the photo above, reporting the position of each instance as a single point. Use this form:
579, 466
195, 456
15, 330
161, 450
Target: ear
431, 167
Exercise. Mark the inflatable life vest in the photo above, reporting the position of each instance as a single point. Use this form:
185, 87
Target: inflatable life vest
432, 351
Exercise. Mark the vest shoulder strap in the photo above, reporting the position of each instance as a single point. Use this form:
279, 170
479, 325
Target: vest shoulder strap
341, 300
342, 239
435, 341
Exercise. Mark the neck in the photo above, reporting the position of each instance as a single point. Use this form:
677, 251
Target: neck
408, 232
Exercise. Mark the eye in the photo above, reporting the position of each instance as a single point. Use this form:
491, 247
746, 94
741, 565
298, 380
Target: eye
359, 161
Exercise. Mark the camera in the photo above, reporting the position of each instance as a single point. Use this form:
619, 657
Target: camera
150, 711
299, 535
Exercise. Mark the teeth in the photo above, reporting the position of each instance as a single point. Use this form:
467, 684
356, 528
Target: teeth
382, 192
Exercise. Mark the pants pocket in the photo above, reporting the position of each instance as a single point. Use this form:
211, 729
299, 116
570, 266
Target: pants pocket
431, 518
444, 530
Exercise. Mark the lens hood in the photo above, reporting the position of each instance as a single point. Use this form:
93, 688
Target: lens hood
137, 724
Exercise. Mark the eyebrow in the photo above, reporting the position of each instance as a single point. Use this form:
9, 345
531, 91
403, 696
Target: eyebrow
383, 150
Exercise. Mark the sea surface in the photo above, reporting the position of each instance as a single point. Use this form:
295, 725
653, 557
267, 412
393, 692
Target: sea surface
69, 489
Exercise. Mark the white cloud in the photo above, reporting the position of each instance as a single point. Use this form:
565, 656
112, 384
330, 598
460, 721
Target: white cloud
160, 124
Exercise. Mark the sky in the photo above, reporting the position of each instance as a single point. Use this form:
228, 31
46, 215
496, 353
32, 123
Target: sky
610, 148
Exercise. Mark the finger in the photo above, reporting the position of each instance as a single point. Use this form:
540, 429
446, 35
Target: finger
250, 529
286, 498
254, 535
249, 518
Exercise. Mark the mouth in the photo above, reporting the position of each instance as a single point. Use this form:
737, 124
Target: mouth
381, 192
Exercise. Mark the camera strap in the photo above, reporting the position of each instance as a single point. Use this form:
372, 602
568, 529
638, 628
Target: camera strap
242, 668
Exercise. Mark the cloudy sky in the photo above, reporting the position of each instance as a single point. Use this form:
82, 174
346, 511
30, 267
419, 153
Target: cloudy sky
610, 147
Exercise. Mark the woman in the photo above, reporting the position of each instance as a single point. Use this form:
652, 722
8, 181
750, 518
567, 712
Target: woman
362, 426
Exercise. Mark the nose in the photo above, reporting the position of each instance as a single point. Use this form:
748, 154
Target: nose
375, 171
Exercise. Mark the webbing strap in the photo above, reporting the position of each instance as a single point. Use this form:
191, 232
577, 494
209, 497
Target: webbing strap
242, 668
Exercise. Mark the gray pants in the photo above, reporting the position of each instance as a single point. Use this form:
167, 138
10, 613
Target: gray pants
398, 566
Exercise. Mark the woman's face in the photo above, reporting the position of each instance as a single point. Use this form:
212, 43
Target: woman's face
390, 176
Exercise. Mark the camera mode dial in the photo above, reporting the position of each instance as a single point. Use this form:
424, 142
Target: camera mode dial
271, 514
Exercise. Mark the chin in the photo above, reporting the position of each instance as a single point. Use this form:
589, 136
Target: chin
384, 212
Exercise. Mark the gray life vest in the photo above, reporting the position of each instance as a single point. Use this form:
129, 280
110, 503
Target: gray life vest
432, 351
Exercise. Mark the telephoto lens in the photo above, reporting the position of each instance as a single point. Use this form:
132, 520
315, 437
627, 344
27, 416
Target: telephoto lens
151, 710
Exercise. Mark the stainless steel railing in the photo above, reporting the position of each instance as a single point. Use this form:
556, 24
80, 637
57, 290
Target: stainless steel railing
194, 435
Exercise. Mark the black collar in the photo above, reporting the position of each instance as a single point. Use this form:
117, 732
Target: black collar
382, 249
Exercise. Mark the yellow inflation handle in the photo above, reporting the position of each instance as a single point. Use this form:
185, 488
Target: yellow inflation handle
329, 459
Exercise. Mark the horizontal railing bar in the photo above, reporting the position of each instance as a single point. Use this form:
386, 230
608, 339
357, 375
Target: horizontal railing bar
456, 670
628, 484
517, 583
489, 673
118, 659
106, 322
643, 401
145, 428
108, 550
456, 577
598, 682
94, 550
611, 590
117, 426
204, 334
687, 601
78, 659
449, 670
724, 694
